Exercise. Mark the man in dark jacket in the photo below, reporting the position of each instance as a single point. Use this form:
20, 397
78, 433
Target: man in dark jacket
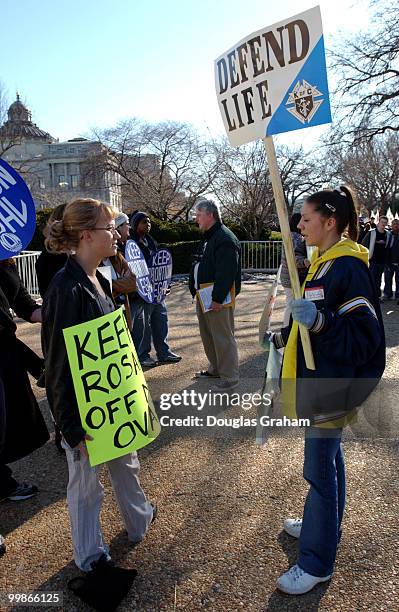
392, 267
378, 241
218, 265
156, 326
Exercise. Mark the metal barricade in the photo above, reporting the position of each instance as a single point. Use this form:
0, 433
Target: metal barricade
261, 255
256, 256
26, 261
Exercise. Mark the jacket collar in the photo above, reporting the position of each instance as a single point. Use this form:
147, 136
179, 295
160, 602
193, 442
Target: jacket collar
212, 230
343, 248
74, 269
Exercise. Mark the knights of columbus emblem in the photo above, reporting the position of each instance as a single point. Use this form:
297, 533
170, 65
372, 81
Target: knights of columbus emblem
303, 99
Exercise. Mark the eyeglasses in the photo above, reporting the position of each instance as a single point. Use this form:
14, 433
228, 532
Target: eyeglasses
109, 228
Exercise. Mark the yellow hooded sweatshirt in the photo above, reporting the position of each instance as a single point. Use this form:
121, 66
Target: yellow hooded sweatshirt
344, 248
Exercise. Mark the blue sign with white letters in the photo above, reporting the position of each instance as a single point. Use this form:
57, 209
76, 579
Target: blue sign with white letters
17, 212
138, 266
161, 274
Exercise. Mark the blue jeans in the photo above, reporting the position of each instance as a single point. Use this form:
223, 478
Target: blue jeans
391, 270
137, 313
155, 326
324, 470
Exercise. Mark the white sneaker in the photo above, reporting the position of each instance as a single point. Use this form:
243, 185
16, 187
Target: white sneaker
293, 527
297, 582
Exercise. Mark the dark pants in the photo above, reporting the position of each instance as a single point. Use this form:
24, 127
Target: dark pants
377, 271
137, 312
391, 272
8, 484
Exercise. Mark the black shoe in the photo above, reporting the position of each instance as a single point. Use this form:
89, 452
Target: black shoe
205, 374
148, 363
104, 587
2, 546
171, 358
22, 491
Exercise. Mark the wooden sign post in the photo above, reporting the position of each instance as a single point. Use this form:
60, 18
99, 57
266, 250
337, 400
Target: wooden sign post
287, 241
272, 82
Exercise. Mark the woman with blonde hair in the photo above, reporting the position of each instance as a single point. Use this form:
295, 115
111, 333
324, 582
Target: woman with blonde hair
79, 293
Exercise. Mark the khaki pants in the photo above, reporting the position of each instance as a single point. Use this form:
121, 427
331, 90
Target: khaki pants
85, 494
217, 335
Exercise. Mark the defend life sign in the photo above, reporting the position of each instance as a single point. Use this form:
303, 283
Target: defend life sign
274, 80
17, 212
113, 398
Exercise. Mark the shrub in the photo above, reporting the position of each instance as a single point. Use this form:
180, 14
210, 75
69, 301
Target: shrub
171, 232
183, 254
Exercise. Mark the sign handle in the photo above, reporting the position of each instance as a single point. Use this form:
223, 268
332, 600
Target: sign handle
287, 241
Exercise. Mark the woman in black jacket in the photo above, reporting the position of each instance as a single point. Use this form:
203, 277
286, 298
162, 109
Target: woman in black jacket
79, 293
48, 264
25, 429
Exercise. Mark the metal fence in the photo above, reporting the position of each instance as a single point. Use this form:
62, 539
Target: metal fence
27, 271
261, 256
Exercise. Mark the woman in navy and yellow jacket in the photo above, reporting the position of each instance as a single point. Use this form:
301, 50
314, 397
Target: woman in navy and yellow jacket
341, 309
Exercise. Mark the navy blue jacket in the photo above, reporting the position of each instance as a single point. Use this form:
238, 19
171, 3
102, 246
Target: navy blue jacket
347, 339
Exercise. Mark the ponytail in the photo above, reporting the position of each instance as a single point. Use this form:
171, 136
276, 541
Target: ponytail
341, 205
353, 223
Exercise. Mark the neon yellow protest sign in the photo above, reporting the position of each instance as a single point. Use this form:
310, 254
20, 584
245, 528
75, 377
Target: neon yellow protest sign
113, 398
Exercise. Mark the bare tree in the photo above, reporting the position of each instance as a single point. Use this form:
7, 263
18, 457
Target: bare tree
301, 172
368, 88
243, 186
163, 167
372, 167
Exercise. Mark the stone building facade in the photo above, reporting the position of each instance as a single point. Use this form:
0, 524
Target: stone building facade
56, 171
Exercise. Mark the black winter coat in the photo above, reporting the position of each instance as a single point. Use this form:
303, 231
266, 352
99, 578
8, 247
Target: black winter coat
219, 262
47, 266
25, 429
70, 299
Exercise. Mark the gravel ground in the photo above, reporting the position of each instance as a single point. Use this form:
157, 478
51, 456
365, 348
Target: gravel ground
218, 543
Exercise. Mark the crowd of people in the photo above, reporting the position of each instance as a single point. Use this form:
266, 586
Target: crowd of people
339, 307
383, 245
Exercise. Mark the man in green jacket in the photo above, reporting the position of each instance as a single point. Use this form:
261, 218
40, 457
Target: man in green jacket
218, 265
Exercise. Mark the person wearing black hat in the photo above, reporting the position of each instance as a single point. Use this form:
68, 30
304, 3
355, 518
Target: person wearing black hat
155, 315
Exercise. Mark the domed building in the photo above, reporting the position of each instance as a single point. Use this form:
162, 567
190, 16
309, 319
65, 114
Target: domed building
56, 171
20, 126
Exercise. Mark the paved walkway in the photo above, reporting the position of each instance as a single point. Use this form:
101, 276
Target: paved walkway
217, 543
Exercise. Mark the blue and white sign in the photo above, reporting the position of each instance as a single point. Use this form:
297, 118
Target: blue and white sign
274, 80
138, 266
17, 212
161, 273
